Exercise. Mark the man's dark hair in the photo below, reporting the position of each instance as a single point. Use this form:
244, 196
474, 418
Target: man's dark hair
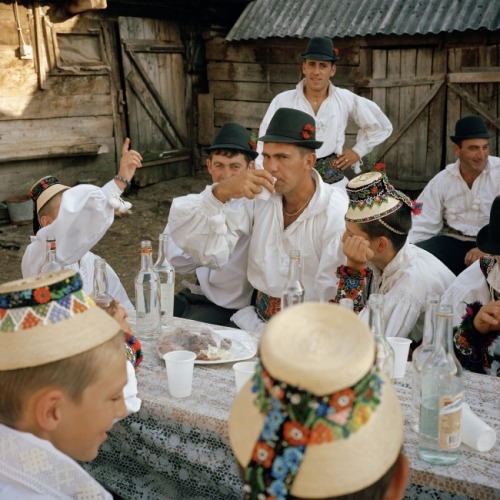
229, 153
400, 220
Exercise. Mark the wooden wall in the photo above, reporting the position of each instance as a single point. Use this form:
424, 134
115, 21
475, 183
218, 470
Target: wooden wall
55, 118
423, 84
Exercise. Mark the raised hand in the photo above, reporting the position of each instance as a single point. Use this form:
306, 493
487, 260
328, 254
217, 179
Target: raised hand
248, 184
130, 161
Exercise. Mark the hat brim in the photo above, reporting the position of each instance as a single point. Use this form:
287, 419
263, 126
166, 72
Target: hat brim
232, 147
289, 140
48, 194
458, 138
319, 57
327, 469
485, 244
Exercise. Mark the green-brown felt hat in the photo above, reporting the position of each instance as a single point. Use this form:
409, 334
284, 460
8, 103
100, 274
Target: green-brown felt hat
235, 137
320, 48
292, 126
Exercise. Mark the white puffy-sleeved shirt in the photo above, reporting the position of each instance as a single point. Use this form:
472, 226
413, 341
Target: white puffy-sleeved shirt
209, 230
332, 117
405, 283
226, 287
449, 203
84, 217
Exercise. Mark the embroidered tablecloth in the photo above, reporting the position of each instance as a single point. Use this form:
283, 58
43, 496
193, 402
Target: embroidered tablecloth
179, 448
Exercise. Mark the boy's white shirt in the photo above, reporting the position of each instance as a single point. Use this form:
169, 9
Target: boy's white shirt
32, 468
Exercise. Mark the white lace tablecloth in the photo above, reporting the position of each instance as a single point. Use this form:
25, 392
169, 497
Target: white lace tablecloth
179, 449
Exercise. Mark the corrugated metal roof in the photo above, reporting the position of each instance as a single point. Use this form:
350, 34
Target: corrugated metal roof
349, 18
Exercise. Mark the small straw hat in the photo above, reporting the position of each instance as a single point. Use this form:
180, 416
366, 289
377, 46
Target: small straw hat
45, 189
316, 407
372, 197
47, 318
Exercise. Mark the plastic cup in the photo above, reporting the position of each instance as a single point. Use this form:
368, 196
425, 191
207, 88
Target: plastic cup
180, 365
243, 372
475, 432
401, 348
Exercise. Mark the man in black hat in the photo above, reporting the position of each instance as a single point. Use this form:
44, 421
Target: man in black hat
457, 201
475, 296
284, 207
220, 292
332, 107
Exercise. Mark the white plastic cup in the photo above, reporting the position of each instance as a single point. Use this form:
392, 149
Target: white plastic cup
243, 371
401, 348
475, 432
180, 366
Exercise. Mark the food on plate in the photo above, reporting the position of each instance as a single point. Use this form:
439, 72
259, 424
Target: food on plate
202, 343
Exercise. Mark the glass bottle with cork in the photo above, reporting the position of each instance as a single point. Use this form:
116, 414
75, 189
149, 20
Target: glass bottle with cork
441, 397
384, 354
51, 262
147, 296
166, 274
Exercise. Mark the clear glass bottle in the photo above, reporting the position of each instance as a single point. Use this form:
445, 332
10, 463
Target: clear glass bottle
421, 353
293, 291
51, 262
384, 355
147, 296
100, 293
167, 281
442, 392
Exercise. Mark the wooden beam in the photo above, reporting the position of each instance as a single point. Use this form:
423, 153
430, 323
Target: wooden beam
35, 151
399, 82
475, 77
411, 118
153, 46
475, 104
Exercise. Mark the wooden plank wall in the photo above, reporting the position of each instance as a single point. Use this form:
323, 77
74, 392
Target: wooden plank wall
408, 77
73, 114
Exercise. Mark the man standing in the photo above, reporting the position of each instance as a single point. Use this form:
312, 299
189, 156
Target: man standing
457, 201
332, 107
303, 214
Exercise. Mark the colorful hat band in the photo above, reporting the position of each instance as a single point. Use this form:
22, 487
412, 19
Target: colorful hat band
294, 419
26, 309
42, 185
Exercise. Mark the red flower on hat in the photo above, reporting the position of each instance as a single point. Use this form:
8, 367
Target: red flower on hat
307, 131
321, 433
379, 167
42, 295
336, 51
263, 454
253, 145
295, 434
342, 399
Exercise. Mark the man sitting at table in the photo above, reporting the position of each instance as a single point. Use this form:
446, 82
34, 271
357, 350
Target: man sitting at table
380, 259
318, 421
475, 297
62, 374
302, 213
221, 292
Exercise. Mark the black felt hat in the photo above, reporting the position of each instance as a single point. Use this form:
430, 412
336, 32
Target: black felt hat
320, 48
488, 238
292, 126
233, 136
470, 127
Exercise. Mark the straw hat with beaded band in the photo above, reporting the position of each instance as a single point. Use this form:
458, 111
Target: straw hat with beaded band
345, 412
47, 318
45, 189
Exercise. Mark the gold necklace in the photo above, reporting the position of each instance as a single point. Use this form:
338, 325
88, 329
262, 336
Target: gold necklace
298, 210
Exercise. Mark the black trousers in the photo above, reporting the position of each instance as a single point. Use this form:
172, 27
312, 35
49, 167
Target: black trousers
450, 251
197, 307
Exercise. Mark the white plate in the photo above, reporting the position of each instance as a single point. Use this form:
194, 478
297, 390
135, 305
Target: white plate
243, 346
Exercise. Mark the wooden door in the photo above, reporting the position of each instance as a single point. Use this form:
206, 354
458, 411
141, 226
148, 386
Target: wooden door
155, 97
409, 85
473, 89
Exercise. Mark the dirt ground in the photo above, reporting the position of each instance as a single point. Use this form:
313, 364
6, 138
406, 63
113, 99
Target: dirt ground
120, 246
